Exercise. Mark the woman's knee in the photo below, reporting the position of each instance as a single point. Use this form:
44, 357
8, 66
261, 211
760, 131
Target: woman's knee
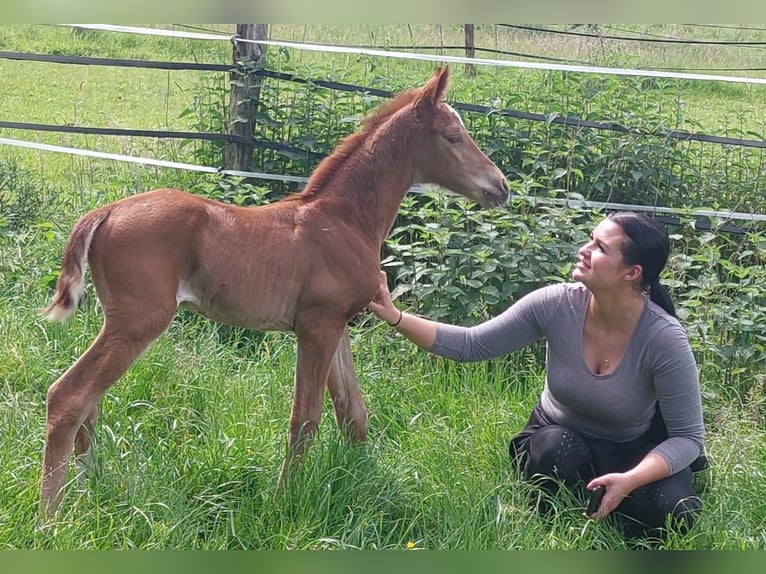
671, 501
558, 451
680, 520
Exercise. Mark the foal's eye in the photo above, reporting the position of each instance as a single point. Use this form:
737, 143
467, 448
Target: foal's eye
454, 139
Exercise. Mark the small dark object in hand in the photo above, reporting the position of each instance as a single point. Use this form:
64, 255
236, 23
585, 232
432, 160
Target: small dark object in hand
595, 499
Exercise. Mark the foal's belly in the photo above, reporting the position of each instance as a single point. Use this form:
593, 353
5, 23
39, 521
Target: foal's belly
252, 310
261, 322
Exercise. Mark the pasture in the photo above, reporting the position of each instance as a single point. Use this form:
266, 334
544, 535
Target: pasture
190, 441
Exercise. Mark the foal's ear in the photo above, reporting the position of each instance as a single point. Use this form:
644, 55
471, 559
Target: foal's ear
436, 87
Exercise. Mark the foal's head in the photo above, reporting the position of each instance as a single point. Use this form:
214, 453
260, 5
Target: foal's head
446, 154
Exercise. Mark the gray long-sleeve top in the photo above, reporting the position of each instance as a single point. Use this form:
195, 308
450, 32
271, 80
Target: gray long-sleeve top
658, 366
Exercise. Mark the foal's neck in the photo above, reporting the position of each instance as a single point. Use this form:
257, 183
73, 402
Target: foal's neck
375, 180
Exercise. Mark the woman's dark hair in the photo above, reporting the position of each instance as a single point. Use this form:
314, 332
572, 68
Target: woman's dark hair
646, 244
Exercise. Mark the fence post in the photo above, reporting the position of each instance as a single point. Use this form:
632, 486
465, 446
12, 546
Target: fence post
469, 48
244, 94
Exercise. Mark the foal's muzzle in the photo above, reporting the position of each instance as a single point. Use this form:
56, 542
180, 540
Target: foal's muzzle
494, 196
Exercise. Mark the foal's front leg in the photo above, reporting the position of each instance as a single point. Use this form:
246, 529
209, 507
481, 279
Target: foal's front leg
318, 337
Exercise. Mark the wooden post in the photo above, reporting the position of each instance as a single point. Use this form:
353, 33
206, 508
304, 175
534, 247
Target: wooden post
469, 48
244, 94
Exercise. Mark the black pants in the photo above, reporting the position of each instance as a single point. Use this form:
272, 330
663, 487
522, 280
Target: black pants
544, 450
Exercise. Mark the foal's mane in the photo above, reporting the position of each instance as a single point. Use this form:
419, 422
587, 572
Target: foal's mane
332, 163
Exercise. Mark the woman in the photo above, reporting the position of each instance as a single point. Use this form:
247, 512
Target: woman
621, 405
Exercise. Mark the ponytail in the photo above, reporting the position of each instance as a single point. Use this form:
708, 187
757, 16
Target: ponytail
660, 295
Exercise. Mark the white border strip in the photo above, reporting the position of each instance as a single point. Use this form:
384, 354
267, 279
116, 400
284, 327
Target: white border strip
427, 57
415, 189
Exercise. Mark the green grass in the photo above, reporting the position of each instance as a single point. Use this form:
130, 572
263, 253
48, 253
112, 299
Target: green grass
190, 443
191, 440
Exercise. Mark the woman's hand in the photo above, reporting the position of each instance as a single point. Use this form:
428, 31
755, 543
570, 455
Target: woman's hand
381, 304
419, 330
618, 487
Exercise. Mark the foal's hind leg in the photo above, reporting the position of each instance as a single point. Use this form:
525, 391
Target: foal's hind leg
347, 401
74, 398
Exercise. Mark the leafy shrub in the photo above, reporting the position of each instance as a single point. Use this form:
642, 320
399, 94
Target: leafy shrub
717, 280
455, 263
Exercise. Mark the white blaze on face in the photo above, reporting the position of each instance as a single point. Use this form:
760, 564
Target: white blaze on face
453, 111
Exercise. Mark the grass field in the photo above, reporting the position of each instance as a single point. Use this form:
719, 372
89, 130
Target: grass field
191, 440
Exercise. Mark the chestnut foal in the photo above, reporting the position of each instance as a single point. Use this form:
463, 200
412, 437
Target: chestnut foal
306, 263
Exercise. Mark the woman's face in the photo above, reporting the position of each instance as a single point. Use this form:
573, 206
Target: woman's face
601, 264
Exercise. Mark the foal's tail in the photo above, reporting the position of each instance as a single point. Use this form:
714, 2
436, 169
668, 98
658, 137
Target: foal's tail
71, 281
